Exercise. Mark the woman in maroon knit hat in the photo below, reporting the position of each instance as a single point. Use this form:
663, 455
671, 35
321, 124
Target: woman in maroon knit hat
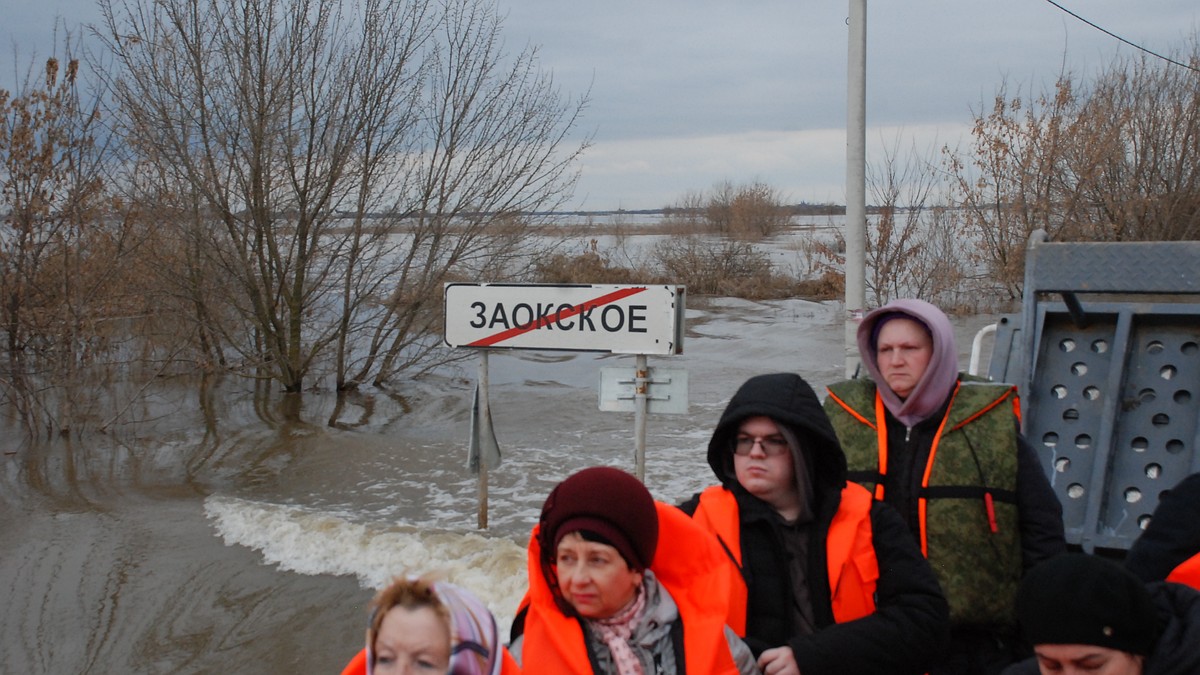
605, 598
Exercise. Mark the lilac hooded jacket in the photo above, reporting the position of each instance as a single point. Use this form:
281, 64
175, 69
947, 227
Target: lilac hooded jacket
941, 374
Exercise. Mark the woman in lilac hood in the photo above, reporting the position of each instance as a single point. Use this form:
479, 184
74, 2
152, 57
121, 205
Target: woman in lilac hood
945, 450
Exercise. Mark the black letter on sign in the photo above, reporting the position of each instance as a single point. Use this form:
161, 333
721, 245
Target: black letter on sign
562, 311
614, 309
479, 308
522, 307
543, 316
637, 314
585, 316
499, 317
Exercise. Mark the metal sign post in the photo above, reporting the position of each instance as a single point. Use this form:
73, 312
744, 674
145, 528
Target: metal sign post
485, 413
650, 390
640, 382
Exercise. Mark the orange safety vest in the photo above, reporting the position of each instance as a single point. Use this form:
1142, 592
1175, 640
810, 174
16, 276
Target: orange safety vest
849, 552
1187, 572
688, 563
358, 664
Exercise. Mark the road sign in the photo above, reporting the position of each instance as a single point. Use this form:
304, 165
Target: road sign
577, 317
666, 390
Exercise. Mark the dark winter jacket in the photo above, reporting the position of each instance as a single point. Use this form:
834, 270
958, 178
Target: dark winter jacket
909, 626
1173, 535
1177, 651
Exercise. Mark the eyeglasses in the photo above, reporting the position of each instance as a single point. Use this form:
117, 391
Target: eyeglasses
772, 446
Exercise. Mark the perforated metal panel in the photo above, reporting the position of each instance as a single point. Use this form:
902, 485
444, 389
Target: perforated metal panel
1111, 399
1112, 412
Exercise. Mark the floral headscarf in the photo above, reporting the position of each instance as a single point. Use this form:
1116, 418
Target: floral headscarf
475, 647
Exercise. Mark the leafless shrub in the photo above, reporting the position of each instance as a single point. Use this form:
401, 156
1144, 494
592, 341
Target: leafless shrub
719, 266
592, 266
1111, 159
750, 212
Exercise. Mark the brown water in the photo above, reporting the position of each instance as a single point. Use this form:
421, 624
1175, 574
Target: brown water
220, 538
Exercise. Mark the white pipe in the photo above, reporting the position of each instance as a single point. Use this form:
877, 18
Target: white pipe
977, 347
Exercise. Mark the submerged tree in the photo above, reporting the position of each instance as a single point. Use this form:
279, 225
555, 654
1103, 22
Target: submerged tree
331, 163
63, 283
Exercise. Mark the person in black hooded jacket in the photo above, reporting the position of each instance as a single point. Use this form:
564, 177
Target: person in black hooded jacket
829, 581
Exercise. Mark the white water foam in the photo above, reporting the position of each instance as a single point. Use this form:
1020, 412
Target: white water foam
311, 542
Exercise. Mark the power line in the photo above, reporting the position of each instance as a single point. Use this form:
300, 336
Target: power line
1131, 44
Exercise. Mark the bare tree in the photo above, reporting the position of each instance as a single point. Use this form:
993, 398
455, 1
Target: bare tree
908, 250
1110, 159
337, 161
62, 247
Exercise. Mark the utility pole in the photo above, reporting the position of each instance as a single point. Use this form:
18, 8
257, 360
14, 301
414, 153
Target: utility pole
856, 179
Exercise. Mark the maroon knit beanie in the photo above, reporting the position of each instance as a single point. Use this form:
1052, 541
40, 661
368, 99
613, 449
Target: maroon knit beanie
608, 502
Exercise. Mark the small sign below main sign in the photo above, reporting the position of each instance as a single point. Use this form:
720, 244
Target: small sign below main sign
577, 317
666, 390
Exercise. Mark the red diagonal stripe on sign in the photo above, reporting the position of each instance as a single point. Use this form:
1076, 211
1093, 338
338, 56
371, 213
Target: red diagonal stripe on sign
560, 314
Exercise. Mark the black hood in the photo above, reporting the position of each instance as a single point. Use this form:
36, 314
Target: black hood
788, 400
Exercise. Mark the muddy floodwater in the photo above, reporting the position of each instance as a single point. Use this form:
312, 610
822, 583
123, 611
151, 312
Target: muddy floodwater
222, 538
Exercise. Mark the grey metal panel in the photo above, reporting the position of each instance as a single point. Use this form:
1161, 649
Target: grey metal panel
1116, 267
1112, 410
1107, 360
1006, 362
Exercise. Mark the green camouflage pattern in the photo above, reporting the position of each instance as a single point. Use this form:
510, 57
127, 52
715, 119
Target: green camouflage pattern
978, 570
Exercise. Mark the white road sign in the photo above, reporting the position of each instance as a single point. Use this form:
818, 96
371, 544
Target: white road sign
579, 317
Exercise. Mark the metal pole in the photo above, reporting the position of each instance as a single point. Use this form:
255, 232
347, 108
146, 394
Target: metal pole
484, 414
856, 179
641, 378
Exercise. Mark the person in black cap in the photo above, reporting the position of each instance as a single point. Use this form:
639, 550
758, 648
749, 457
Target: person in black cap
606, 597
1086, 614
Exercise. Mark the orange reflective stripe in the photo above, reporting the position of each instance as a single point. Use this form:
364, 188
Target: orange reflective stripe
718, 513
982, 411
933, 448
881, 433
1187, 573
852, 411
693, 568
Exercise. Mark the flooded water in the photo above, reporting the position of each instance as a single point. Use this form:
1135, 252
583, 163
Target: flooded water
220, 539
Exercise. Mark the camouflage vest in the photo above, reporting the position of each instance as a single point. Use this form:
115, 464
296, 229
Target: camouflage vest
970, 486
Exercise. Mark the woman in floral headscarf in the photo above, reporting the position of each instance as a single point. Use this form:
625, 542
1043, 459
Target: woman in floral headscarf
419, 625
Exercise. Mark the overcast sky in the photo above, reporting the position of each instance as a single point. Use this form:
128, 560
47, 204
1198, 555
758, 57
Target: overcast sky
688, 93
